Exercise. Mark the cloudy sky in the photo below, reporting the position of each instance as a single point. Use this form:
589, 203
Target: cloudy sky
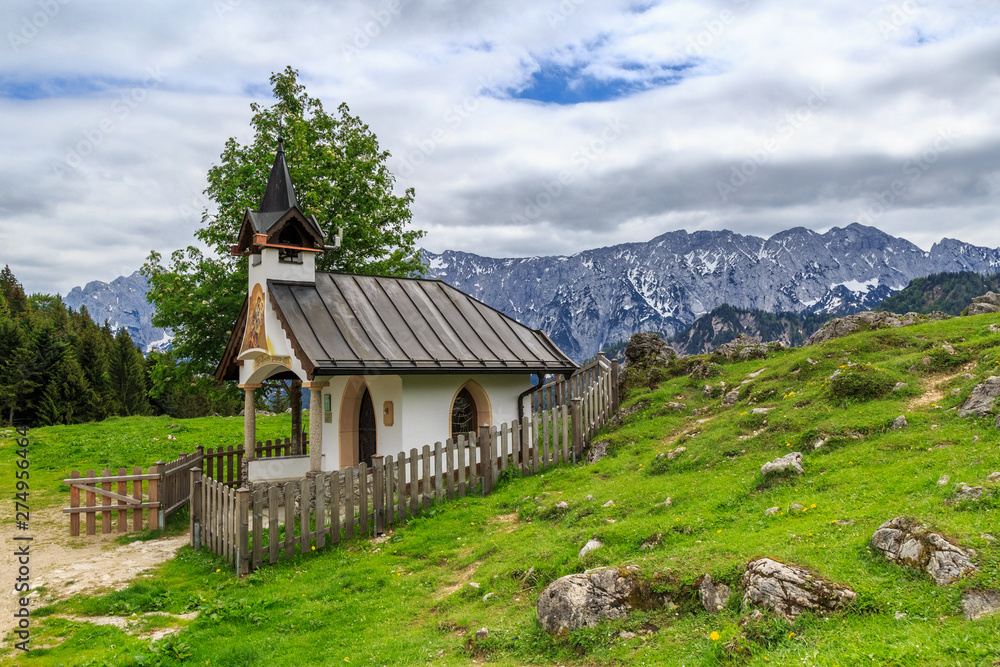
527, 127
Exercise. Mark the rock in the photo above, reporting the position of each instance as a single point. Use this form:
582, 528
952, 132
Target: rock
730, 399
946, 346
789, 590
590, 497
796, 507
987, 303
760, 411
993, 477
842, 522
965, 492
770, 511
488, 596
982, 398
979, 603
482, 633
714, 597
648, 346
582, 600
898, 423
593, 544
792, 460
473, 584
674, 453
756, 373
702, 369
171, 436
900, 386
562, 505
742, 347
673, 405
988, 537
819, 443
706, 391
701, 411
610, 503
625, 634
904, 541
669, 501
652, 542
944, 479
597, 451
899, 615
811, 361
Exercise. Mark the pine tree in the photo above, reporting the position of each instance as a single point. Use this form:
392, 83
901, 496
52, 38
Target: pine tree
47, 351
15, 370
92, 353
127, 375
13, 293
67, 399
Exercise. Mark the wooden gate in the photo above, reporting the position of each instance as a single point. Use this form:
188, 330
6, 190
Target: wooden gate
125, 506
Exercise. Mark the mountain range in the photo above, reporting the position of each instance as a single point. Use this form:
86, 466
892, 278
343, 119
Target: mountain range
599, 297
596, 298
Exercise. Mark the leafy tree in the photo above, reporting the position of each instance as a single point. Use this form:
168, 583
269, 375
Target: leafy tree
127, 375
340, 177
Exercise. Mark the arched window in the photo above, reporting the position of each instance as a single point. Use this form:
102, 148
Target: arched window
463, 413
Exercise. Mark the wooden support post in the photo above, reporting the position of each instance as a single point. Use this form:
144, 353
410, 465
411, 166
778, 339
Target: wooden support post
615, 405
414, 481
155, 486
242, 543
576, 417
256, 512
335, 483
438, 475
363, 499
305, 504
196, 482
526, 444
485, 457
295, 403
320, 483
426, 486
389, 475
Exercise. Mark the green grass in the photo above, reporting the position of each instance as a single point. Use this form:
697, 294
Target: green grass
407, 601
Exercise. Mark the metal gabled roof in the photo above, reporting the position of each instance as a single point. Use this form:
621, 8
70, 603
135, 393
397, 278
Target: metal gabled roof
346, 324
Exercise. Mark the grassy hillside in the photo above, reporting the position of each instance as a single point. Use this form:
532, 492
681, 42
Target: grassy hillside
410, 600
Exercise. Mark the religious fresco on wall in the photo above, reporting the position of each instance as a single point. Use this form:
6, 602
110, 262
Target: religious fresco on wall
255, 335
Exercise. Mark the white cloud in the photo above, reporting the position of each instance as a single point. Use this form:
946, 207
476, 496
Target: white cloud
438, 83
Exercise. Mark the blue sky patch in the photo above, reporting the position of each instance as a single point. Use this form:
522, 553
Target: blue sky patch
12, 87
560, 84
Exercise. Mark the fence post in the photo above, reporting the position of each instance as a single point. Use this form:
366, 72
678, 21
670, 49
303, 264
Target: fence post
378, 492
526, 444
576, 417
196, 507
614, 387
242, 517
155, 485
485, 456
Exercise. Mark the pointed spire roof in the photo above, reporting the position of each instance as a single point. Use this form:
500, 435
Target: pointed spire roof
279, 196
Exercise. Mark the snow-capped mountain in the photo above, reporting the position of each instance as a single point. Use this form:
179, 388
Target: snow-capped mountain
122, 302
603, 296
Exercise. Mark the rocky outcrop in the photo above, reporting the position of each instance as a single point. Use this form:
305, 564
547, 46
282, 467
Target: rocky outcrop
979, 603
899, 423
583, 600
793, 461
714, 596
981, 401
987, 303
648, 347
742, 347
844, 326
789, 590
905, 541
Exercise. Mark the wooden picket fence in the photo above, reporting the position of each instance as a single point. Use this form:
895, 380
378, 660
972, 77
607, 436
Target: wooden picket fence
156, 494
274, 521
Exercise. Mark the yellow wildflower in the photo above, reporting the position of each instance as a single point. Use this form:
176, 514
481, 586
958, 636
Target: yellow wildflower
714, 636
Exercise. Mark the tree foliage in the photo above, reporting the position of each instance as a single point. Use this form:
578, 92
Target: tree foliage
340, 176
949, 292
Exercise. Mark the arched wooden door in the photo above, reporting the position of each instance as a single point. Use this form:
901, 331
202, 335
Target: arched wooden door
366, 429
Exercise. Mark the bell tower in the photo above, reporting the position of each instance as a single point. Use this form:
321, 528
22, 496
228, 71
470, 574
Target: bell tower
280, 241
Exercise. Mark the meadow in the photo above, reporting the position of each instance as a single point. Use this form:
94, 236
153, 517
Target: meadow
421, 595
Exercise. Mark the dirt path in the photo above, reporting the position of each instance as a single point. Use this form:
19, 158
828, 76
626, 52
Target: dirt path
932, 391
62, 566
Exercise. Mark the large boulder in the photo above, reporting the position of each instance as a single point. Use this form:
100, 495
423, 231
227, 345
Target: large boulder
583, 600
981, 401
844, 326
714, 596
905, 541
789, 590
987, 303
